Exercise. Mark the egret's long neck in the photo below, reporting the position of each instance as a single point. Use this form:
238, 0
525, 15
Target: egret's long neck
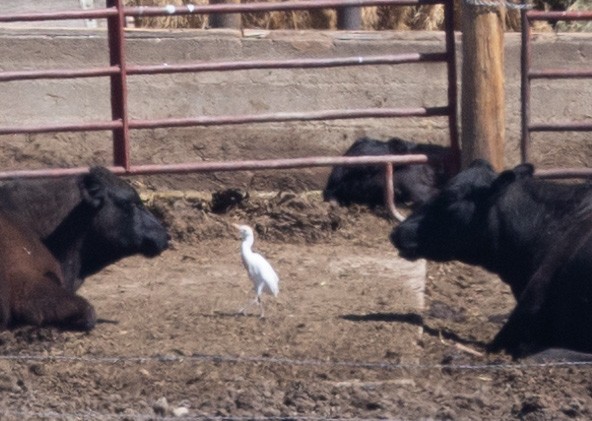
247, 244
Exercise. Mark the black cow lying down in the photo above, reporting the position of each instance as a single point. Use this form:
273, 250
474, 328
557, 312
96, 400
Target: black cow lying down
536, 235
364, 184
55, 233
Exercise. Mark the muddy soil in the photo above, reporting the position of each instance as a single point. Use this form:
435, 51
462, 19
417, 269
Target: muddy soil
338, 341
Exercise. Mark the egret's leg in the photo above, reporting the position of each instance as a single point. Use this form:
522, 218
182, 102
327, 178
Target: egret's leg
249, 304
262, 315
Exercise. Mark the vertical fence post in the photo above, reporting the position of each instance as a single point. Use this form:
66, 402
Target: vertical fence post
349, 18
483, 112
115, 27
454, 163
525, 85
225, 20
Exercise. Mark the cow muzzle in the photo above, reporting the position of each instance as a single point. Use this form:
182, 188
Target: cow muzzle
405, 241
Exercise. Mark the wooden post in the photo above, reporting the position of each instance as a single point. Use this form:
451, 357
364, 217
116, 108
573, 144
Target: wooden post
483, 118
225, 20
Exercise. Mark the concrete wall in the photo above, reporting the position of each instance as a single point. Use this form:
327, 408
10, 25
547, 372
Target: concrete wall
262, 91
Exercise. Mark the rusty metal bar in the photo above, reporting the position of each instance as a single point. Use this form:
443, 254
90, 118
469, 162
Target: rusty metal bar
389, 194
232, 119
287, 163
568, 126
58, 73
224, 66
560, 73
524, 87
120, 125
94, 126
290, 116
116, 27
285, 64
270, 164
349, 17
527, 75
452, 86
65, 15
142, 11
567, 16
564, 173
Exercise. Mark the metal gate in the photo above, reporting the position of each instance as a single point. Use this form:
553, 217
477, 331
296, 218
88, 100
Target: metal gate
528, 74
119, 71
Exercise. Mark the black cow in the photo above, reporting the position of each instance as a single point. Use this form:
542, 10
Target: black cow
536, 235
55, 233
364, 184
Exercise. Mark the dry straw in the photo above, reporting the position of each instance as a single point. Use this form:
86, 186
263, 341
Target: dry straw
426, 18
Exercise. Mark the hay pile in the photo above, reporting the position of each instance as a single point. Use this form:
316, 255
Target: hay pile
284, 216
429, 17
373, 18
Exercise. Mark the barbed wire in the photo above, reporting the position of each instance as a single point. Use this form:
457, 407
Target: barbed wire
289, 361
500, 3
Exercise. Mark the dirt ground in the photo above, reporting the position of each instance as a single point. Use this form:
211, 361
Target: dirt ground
334, 344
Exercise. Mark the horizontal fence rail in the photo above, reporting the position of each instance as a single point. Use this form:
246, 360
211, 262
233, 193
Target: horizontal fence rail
242, 165
287, 6
119, 70
58, 73
224, 66
287, 64
65, 15
273, 164
233, 119
570, 16
528, 74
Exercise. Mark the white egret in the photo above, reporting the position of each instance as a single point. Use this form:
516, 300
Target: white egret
264, 278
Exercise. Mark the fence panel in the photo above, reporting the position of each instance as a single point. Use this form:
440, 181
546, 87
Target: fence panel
529, 74
118, 71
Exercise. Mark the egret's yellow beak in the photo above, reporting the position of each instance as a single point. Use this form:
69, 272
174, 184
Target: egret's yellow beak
236, 226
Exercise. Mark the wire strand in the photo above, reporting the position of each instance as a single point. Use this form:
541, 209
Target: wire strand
287, 361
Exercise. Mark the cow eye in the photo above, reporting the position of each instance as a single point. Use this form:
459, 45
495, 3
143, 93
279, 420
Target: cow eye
125, 205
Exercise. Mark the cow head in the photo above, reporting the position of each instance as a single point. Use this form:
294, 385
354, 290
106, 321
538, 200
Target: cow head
452, 225
120, 225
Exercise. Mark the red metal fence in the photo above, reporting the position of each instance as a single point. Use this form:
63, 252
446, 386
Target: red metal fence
528, 74
119, 70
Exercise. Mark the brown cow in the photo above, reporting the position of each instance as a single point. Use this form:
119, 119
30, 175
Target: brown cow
55, 233
32, 284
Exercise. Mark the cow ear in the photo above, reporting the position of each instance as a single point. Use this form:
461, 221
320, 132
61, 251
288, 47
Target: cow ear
503, 180
92, 190
524, 171
509, 176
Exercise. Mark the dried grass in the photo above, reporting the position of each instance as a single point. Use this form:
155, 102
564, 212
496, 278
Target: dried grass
427, 18
169, 22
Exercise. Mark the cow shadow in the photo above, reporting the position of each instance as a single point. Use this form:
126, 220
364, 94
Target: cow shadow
415, 320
